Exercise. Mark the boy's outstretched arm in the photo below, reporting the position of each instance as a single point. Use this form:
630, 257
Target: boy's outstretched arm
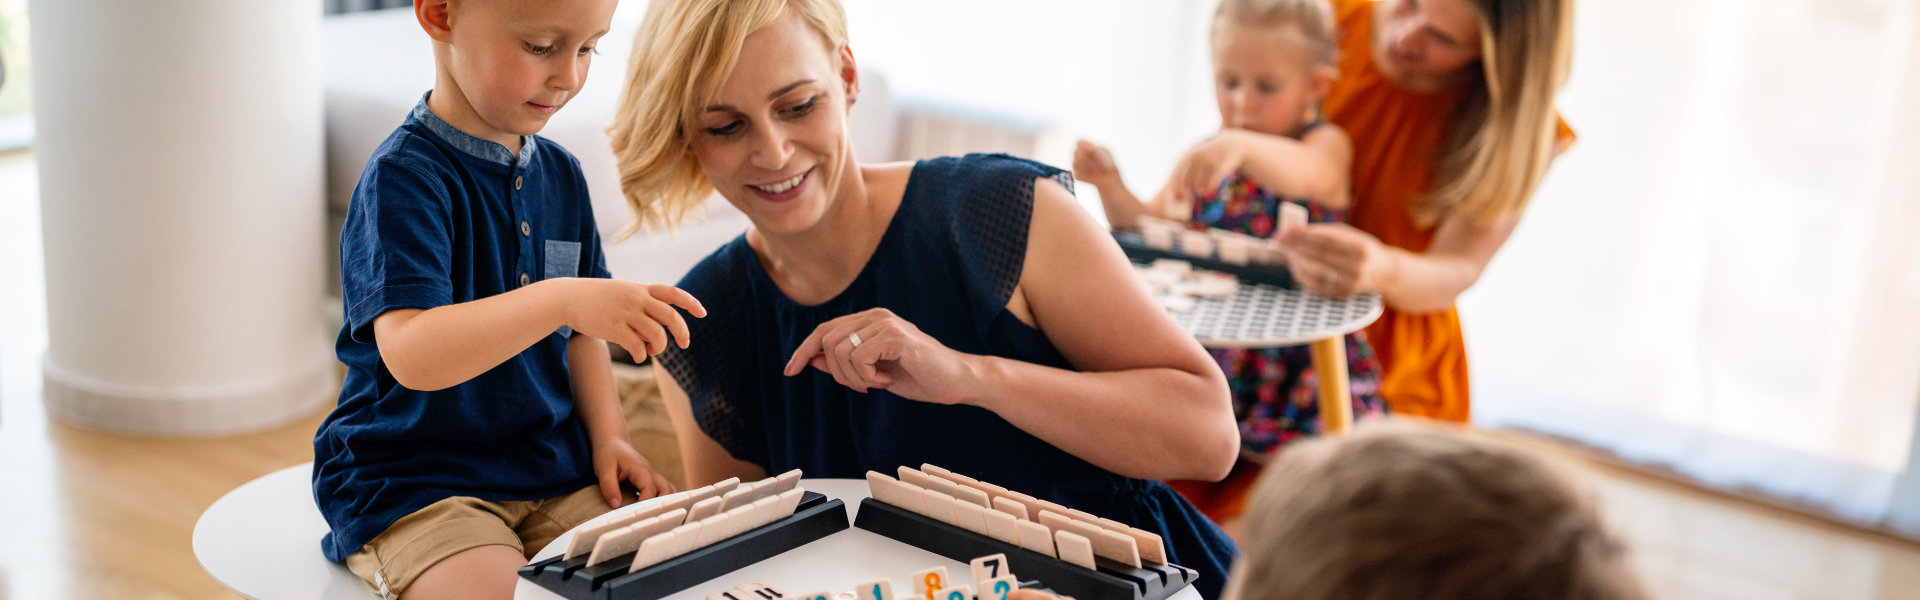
598, 402
441, 347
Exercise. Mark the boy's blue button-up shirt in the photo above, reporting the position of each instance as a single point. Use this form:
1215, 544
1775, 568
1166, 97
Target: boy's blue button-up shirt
441, 217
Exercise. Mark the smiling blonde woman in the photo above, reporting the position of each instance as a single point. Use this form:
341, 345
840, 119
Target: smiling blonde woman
879, 315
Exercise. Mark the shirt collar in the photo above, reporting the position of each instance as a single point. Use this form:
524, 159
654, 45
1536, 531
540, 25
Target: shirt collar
478, 148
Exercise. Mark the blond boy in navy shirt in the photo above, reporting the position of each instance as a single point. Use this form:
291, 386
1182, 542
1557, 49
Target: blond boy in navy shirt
478, 418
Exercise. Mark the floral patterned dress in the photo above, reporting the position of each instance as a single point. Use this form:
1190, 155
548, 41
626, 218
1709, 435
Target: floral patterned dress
1275, 390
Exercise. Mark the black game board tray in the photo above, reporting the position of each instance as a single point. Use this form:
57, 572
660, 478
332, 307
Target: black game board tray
815, 518
1112, 581
1138, 251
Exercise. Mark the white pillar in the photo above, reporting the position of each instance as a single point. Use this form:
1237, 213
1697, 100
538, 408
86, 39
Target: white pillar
179, 146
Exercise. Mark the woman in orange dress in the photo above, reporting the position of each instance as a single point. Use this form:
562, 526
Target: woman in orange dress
1450, 107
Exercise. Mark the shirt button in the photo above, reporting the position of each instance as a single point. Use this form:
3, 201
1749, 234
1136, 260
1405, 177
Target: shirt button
524, 280
525, 229
516, 182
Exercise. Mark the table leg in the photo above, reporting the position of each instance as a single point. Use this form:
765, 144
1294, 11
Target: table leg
1336, 395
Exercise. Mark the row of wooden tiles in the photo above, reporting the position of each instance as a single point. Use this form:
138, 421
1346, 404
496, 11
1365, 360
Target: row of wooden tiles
1039, 525
667, 526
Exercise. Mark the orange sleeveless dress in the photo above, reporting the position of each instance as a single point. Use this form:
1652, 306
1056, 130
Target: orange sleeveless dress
1395, 133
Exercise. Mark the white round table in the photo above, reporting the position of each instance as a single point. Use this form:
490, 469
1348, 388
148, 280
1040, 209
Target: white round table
262, 540
1261, 315
835, 563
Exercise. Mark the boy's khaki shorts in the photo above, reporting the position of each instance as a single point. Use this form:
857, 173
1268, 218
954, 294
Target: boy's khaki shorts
417, 541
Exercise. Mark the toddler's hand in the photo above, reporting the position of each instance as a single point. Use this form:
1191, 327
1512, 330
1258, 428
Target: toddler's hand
637, 317
1202, 168
1094, 164
615, 461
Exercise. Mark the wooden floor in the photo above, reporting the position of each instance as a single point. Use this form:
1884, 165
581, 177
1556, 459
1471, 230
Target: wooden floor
105, 516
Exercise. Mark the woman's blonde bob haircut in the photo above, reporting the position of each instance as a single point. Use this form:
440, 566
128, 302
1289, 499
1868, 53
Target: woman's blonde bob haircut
684, 54
1502, 138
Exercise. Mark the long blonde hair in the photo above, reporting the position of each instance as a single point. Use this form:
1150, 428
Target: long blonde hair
1502, 137
684, 54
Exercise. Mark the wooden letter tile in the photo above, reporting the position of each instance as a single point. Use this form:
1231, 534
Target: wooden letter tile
915, 477
674, 518
973, 496
875, 590
970, 517
1036, 537
943, 486
652, 551
614, 543
938, 506
1117, 547
703, 509
1009, 506
989, 567
911, 497
713, 529
998, 589
1055, 521
1149, 544
786, 482
1074, 548
588, 534
761, 590
880, 487
685, 539
739, 496
765, 511
789, 502
925, 583
1002, 526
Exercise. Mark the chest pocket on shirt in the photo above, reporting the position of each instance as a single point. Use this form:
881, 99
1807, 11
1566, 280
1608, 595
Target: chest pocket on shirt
563, 260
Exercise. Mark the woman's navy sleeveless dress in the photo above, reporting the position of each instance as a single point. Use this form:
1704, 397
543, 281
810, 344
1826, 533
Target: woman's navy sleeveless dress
947, 263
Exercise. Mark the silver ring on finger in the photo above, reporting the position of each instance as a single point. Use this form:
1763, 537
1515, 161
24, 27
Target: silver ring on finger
1330, 282
854, 338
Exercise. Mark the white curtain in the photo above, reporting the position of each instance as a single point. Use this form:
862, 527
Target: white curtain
1723, 275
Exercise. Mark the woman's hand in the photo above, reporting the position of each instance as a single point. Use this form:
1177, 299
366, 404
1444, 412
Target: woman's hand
1336, 260
875, 349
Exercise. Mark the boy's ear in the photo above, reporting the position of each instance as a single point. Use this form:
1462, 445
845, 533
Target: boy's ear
849, 74
436, 18
1323, 77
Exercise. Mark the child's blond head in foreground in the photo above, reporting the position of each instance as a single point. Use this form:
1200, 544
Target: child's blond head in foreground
1400, 510
1272, 62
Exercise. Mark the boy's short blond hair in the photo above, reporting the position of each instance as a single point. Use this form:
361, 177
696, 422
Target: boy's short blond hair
684, 54
1311, 19
1399, 510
